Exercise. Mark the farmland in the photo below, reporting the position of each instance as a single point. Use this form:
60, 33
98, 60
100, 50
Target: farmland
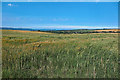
31, 54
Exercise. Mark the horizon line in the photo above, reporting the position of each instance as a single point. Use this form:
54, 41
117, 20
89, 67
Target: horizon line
62, 28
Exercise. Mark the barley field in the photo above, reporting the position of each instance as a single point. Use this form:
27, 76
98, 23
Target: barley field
31, 54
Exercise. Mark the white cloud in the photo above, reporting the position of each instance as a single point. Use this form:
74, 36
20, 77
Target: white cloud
60, 27
97, 0
73, 27
30, 0
10, 4
60, 19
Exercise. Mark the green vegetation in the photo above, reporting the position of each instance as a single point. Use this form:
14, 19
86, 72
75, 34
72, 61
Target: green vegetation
38, 55
81, 31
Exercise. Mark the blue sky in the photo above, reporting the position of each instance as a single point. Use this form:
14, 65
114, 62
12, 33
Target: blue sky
60, 15
60, 0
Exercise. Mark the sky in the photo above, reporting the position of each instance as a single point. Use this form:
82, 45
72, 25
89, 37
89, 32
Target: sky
60, 15
60, 0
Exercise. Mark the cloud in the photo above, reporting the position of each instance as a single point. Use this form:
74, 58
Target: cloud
30, 0
73, 27
10, 4
78, 27
97, 0
61, 27
60, 19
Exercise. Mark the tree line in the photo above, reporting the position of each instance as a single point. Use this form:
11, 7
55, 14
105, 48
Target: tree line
79, 32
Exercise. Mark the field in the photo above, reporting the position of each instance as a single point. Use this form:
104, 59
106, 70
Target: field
30, 54
115, 30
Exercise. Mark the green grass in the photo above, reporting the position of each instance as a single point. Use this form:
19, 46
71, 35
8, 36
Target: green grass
38, 55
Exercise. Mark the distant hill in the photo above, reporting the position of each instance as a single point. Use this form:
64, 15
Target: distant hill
5, 28
74, 31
